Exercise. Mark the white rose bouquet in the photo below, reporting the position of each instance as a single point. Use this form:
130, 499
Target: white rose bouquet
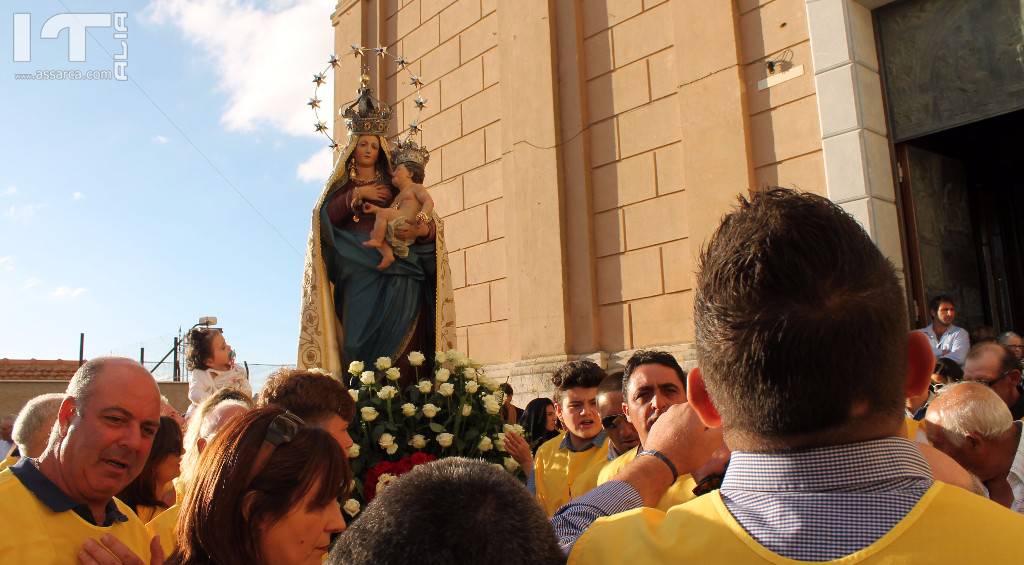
445, 410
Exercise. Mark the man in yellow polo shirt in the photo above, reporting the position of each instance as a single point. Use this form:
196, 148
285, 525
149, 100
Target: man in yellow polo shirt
61, 506
652, 381
622, 435
561, 461
804, 360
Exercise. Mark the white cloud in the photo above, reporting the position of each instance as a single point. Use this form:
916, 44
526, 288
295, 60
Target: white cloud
7, 263
10, 190
317, 167
31, 283
67, 292
267, 77
77, 195
23, 213
160, 140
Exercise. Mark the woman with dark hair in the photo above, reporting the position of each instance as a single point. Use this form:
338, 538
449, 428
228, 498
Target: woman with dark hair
151, 492
266, 492
540, 422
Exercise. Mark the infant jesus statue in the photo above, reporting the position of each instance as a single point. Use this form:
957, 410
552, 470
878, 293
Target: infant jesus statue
413, 203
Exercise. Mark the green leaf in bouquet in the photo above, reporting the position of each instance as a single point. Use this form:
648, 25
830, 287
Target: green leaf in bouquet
436, 428
460, 444
390, 426
378, 430
471, 434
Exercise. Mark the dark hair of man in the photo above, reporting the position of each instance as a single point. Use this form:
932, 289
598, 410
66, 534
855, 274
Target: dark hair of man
314, 397
938, 300
506, 388
581, 373
1007, 360
200, 347
426, 506
142, 490
611, 383
535, 420
949, 370
224, 512
798, 316
416, 172
650, 357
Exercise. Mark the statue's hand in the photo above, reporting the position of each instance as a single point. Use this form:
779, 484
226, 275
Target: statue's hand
378, 192
409, 231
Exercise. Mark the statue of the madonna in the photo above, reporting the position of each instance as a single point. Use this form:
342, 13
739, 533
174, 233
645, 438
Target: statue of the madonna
351, 311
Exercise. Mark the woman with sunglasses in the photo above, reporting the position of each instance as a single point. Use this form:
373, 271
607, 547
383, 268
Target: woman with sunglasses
266, 492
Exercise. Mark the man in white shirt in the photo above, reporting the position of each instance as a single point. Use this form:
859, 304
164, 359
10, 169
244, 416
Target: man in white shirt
947, 340
971, 424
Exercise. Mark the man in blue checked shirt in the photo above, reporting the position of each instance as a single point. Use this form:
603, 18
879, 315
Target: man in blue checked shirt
804, 361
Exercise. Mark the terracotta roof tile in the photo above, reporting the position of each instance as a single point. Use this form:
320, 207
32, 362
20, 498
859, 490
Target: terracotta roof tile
37, 369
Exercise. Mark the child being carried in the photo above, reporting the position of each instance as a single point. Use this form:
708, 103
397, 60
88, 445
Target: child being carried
412, 205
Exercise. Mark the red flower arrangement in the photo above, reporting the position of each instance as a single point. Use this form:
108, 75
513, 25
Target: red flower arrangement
393, 468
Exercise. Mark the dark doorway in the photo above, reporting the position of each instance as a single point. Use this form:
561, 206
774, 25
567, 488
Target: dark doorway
962, 192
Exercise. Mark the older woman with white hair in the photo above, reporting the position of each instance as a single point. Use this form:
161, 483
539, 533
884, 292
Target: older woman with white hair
971, 424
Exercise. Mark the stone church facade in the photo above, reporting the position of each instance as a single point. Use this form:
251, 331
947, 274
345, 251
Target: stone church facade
582, 151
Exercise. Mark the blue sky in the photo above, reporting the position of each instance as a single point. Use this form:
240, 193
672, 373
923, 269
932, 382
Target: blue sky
112, 223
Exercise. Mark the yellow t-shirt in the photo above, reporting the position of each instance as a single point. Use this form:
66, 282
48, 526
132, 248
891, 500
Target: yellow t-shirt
704, 531
164, 525
681, 491
147, 513
556, 472
8, 462
35, 534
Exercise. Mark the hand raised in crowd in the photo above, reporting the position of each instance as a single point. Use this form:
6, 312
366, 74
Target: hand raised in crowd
111, 551
517, 447
681, 436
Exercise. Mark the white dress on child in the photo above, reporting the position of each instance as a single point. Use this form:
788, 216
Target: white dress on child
205, 382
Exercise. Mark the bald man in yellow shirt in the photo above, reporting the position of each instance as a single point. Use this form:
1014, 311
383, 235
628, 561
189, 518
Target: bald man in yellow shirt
60, 508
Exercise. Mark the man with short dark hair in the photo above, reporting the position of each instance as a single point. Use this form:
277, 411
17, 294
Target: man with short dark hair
450, 512
946, 339
621, 432
804, 362
562, 460
319, 399
56, 508
652, 382
996, 367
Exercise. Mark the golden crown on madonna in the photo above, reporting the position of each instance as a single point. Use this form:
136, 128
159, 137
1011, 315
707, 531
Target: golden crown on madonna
368, 115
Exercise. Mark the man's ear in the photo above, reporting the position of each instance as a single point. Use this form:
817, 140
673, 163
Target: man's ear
201, 444
66, 414
697, 396
920, 364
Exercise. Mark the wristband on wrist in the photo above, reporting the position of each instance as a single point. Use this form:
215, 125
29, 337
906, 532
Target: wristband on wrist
664, 459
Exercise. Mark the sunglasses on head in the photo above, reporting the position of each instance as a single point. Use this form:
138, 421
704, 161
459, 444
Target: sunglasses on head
282, 429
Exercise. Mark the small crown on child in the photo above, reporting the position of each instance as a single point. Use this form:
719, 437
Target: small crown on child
408, 151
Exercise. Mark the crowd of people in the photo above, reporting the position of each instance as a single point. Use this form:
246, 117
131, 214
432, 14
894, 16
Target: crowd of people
815, 427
